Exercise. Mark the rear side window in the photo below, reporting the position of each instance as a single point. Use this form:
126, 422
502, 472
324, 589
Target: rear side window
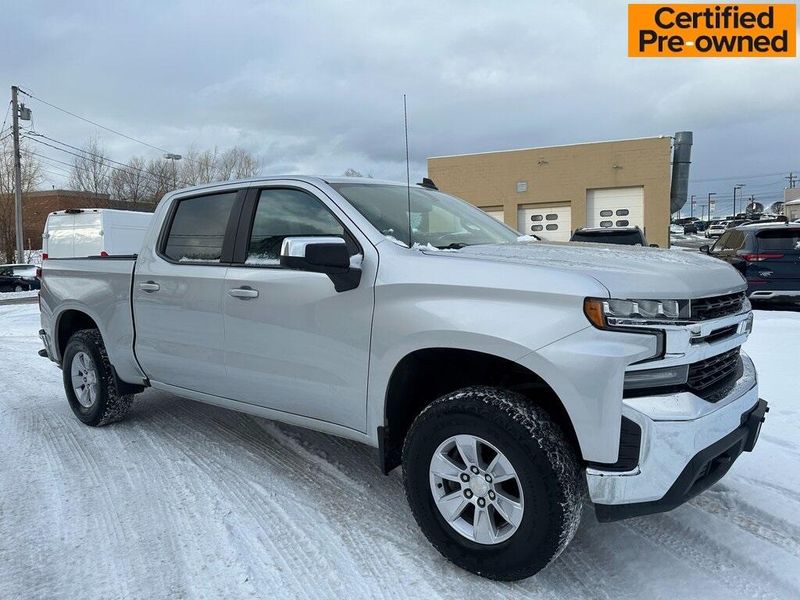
731, 240
198, 228
283, 213
786, 240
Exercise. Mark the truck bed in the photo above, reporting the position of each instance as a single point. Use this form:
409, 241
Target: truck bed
101, 288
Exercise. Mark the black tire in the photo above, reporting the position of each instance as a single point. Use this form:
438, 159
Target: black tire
547, 466
109, 405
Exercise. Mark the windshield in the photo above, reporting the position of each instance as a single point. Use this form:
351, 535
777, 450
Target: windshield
628, 238
436, 218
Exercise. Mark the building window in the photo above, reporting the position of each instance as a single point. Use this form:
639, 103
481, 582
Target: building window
623, 212
606, 213
536, 217
552, 217
622, 223
606, 224
536, 227
552, 227
522, 186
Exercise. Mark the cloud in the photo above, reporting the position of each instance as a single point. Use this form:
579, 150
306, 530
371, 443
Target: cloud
317, 86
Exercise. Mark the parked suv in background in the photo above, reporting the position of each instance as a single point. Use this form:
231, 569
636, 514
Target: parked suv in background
626, 236
767, 255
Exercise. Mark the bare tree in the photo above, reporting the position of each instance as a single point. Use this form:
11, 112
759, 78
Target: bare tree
160, 178
212, 165
130, 184
198, 167
353, 173
32, 176
237, 163
91, 171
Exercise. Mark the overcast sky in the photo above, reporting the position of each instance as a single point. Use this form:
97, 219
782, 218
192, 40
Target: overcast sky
316, 87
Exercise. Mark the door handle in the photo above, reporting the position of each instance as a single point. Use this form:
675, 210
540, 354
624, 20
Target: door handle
243, 293
149, 286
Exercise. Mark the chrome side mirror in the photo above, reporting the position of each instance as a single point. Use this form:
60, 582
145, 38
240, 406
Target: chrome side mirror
321, 254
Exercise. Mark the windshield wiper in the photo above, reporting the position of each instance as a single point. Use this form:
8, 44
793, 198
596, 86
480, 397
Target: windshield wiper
453, 246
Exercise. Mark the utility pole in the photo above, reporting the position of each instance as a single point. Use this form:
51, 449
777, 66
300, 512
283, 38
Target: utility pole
173, 158
738, 186
17, 175
691, 206
792, 178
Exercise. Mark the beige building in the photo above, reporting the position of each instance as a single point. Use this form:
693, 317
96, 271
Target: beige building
552, 191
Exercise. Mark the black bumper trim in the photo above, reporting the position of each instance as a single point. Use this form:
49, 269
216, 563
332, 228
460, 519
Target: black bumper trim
704, 470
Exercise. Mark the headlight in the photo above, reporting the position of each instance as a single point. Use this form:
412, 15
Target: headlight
651, 378
606, 313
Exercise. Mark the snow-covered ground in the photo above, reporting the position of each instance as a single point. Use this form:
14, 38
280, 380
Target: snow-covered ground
18, 295
184, 500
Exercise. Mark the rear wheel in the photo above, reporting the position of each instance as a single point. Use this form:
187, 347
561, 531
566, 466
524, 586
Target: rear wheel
18, 288
492, 482
89, 381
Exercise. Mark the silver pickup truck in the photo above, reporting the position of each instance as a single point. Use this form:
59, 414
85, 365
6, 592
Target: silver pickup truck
509, 377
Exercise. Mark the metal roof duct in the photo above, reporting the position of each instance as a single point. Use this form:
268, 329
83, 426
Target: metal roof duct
681, 159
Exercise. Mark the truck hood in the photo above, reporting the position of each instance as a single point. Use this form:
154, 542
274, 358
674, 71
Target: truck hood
626, 271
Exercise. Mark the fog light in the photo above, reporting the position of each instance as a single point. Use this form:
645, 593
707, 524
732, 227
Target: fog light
665, 377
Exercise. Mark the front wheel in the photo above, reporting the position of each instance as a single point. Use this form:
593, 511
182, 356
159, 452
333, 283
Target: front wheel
89, 381
492, 482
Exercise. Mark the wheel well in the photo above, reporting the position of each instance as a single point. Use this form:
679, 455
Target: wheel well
70, 322
424, 375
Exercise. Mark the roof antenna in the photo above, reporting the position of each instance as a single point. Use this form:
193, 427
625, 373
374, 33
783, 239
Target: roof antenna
408, 170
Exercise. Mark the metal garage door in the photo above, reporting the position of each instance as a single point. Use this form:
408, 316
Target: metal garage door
615, 207
548, 222
497, 213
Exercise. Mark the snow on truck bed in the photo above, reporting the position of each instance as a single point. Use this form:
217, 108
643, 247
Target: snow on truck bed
184, 500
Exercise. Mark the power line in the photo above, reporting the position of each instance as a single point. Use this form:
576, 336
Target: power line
114, 131
87, 170
99, 156
736, 177
8, 110
123, 168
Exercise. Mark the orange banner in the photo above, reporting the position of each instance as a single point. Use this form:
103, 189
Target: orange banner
712, 30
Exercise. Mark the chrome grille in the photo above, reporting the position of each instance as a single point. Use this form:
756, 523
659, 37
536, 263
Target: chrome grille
715, 307
718, 369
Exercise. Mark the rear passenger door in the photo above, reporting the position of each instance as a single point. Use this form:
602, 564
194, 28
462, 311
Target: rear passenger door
178, 289
293, 343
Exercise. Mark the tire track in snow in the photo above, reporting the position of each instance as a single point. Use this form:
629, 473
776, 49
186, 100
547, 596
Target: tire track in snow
262, 516
722, 502
700, 552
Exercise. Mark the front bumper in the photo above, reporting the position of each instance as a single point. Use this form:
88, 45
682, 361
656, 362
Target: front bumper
679, 457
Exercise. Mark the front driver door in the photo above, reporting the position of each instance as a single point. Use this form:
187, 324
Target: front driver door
292, 342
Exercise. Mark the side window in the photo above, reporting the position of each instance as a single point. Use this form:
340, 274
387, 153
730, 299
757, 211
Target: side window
198, 228
283, 213
731, 240
721, 242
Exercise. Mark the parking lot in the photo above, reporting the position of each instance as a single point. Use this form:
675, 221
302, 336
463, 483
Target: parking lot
186, 500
